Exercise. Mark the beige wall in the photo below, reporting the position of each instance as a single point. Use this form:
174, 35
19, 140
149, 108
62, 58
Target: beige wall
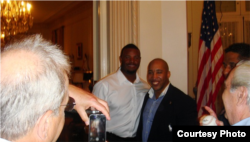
150, 33
163, 34
168, 40
194, 10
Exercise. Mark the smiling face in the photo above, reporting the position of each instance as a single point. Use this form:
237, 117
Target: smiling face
158, 75
130, 60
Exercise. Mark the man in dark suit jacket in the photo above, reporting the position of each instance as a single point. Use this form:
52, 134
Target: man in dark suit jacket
164, 106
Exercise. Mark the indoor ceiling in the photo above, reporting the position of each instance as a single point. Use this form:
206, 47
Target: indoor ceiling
46, 11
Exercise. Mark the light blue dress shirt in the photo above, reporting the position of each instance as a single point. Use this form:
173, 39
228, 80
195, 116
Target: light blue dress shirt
149, 112
244, 122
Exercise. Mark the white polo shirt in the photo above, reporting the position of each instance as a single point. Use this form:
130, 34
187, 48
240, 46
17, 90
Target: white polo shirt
124, 100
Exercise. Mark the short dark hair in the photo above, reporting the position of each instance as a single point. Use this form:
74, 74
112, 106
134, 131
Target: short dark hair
130, 45
242, 49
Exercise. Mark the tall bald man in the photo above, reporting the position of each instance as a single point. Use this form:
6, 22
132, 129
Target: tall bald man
164, 106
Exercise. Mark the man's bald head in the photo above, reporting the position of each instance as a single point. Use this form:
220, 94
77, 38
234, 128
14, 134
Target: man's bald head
18, 64
34, 80
158, 75
159, 61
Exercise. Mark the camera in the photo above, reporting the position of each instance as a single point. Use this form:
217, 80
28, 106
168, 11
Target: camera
97, 127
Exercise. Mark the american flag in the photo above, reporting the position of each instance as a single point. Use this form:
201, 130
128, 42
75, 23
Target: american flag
210, 59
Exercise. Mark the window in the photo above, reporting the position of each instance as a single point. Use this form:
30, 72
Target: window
225, 6
234, 21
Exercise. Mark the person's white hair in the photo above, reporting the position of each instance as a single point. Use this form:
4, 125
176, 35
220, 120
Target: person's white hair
28, 92
242, 77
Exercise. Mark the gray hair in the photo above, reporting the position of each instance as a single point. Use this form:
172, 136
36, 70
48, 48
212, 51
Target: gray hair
242, 77
29, 91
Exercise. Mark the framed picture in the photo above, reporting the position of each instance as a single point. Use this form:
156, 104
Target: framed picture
79, 51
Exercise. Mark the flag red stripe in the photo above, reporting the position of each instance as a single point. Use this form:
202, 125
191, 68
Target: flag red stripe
212, 98
200, 43
209, 79
217, 67
220, 82
219, 51
217, 46
203, 62
214, 93
203, 89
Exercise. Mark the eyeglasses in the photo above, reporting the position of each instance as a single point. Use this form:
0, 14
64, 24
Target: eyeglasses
70, 105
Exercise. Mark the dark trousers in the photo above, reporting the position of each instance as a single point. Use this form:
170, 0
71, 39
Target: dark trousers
114, 138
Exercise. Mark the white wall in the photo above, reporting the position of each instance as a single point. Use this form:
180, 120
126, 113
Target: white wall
150, 36
163, 33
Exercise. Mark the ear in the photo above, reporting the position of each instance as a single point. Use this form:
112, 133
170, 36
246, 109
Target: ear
242, 95
44, 124
120, 58
169, 74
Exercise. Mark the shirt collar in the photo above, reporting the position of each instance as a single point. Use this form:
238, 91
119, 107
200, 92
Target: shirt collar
163, 93
122, 77
243, 122
3, 140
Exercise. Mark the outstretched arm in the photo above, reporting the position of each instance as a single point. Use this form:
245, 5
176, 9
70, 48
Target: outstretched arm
84, 100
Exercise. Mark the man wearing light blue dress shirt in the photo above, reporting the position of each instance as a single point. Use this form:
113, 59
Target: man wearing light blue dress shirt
164, 106
35, 92
236, 96
150, 110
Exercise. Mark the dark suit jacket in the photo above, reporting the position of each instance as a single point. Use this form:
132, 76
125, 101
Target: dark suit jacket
175, 109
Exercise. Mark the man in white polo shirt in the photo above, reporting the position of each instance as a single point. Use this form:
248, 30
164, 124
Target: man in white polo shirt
124, 92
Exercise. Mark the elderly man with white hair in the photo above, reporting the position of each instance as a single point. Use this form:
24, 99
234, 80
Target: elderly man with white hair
236, 96
35, 92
